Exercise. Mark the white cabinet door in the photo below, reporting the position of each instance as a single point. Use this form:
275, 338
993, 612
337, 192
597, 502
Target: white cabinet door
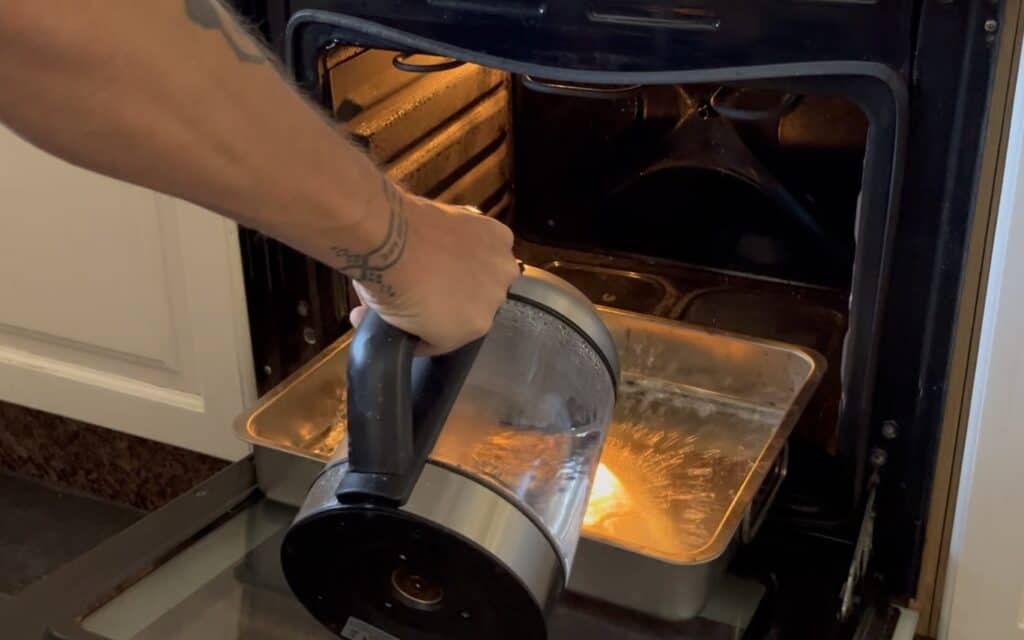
119, 306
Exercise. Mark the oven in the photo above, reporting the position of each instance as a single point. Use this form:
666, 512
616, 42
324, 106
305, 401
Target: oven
801, 172
769, 169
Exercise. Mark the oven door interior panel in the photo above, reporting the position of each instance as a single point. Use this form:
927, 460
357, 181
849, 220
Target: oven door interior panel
207, 566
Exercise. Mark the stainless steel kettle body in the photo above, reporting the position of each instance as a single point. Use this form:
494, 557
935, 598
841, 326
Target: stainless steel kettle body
453, 507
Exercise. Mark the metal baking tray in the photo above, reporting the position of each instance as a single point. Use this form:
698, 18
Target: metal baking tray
699, 424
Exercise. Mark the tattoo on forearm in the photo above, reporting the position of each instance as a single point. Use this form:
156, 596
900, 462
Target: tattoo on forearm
208, 15
370, 267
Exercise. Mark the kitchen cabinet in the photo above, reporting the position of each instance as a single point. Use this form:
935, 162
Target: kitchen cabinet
120, 306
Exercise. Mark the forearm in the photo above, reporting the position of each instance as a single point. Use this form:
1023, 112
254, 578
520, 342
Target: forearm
172, 95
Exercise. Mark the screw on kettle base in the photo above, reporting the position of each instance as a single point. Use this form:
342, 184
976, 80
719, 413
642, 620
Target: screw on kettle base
890, 430
309, 335
991, 25
267, 370
302, 308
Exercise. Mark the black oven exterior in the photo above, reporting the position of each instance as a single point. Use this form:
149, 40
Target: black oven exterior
921, 70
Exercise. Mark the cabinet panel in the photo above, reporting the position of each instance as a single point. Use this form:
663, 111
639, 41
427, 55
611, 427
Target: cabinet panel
119, 306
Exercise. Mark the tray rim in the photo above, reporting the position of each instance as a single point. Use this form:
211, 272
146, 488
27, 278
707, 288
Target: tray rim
243, 421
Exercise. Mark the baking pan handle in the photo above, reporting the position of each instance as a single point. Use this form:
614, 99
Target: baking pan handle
397, 405
751, 523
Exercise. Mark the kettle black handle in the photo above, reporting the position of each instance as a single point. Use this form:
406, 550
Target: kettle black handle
397, 405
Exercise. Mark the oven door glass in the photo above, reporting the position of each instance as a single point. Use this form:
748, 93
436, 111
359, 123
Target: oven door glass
207, 566
228, 584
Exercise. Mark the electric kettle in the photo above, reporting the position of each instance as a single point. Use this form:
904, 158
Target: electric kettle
453, 507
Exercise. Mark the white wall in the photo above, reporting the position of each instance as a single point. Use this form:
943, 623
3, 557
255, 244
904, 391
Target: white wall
984, 598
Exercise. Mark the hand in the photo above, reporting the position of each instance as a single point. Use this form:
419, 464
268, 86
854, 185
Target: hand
453, 274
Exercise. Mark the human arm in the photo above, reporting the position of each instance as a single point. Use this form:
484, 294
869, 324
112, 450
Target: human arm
174, 95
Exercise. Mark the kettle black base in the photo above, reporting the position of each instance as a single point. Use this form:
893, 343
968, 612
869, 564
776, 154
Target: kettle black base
386, 574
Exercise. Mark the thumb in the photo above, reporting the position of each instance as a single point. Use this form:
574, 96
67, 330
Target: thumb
427, 349
356, 315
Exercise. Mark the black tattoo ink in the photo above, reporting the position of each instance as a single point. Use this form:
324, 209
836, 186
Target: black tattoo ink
208, 16
369, 267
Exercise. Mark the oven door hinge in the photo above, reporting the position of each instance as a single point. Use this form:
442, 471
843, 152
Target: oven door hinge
862, 550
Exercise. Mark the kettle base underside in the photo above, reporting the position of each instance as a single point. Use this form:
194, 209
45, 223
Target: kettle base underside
364, 569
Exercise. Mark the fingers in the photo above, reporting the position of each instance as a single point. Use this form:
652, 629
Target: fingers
504, 235
507, 237
427, 349
356, 315
515, 269
462, 333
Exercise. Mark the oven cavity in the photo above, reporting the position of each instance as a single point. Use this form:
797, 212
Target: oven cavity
732, 207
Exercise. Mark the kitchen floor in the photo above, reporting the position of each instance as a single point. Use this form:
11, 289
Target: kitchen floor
43, 527
66, 486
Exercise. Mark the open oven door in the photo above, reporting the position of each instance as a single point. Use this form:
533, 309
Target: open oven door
207, 566
204, 566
